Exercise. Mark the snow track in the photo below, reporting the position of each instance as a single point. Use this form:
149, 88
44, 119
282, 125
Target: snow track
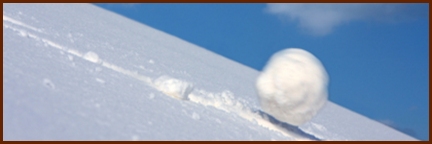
176, 88
5, 18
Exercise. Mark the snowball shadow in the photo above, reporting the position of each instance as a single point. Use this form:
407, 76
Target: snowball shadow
286, 126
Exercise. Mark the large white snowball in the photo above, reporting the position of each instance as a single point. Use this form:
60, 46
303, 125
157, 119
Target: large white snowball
293, 86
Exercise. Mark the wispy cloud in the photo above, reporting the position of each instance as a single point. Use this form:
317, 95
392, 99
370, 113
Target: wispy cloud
321, 19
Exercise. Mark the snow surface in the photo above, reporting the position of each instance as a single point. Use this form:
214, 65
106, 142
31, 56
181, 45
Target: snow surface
293, 86
78, 72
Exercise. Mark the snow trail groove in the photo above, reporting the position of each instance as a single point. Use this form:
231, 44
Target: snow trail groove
172, 87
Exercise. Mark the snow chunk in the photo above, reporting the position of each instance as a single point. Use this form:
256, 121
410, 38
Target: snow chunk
320, 131
23, 34
48, 83
151, 96
293, 86
92, 57
100, 80
173, 87
151, 61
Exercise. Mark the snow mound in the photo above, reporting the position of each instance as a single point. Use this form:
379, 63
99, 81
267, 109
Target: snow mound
92, 57
173, 87
293, 86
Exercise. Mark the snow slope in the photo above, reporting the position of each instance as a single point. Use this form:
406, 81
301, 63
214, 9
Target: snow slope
78, 72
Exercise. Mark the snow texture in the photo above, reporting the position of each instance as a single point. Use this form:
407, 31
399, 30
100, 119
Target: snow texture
293, 86
78, 72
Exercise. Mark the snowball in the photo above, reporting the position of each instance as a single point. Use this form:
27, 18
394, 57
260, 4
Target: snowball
173, 87
293, 86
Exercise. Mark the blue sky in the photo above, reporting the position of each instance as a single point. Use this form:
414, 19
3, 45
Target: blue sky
377, 55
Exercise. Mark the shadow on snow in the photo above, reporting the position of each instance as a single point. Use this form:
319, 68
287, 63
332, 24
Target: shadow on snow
286, 126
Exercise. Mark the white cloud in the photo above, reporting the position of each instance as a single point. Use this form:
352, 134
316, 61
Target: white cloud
321, 19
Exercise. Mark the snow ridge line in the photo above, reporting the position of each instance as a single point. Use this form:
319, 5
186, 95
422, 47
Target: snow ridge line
89, 56
175, 88
5, 18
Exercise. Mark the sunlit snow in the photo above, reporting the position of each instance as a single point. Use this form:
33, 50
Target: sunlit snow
173, 87
78, 72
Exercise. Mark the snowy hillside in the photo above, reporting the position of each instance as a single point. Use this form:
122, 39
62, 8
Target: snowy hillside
78, 72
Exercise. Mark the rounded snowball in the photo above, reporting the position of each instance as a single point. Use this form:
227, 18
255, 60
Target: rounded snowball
293, 86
